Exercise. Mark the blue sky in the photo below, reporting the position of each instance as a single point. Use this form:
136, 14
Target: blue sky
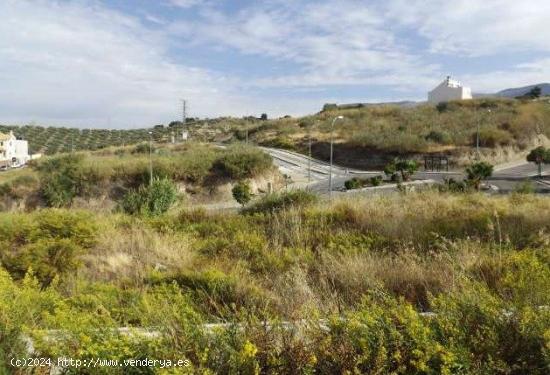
121, 63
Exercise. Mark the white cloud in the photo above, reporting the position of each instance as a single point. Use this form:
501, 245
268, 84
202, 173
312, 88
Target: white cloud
334, 42
525, 74
185, 3
477, 28
79, 63
69, 63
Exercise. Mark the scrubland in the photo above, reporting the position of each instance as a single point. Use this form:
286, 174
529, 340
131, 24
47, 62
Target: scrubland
412, 283
368, 136
101, 179
371, 136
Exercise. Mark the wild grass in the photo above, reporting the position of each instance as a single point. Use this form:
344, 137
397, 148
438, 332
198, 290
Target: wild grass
356, 274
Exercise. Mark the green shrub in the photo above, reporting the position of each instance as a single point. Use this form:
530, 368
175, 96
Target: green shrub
19, 187
375, 180
487, 337
242, 193
47, 258
60, 179
452, 185
280, 201
525, 187
384, 336
354, 183
22, 306
49, 242
478, 172
213, 290
143, 148
492, 138
406, 169
150, 200
440, 137
242, 162
280, 142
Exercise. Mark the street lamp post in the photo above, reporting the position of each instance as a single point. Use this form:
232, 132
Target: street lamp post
331, 154
151, 158
477, 136
309, 154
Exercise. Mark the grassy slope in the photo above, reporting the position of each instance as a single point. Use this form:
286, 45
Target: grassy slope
373, 131
109, 173
476, 255
369, 134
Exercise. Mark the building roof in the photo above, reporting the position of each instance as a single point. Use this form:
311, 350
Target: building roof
6, 137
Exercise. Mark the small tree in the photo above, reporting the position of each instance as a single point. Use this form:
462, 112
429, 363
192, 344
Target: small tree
539, 156
478, 172
242, 192
405, 168
535, 92
151, 200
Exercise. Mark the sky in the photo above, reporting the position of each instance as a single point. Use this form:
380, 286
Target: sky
128, 63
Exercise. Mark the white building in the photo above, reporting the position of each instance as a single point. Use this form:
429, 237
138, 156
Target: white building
13, 152
447, 90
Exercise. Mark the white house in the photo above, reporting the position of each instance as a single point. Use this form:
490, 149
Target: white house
13, 152
447, 90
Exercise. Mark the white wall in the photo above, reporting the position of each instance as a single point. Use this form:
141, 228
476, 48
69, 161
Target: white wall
13, 148
444, 93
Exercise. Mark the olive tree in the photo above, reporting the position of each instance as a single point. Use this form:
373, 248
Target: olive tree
539, 156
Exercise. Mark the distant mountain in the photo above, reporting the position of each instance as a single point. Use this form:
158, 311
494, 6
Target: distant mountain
403, 104
519, 91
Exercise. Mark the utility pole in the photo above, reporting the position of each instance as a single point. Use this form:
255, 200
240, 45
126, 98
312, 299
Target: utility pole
151, 158
477, 134
309, 154
183, 117
331, 153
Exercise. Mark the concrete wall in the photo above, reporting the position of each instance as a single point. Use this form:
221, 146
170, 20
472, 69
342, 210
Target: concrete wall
446, 92
14, 148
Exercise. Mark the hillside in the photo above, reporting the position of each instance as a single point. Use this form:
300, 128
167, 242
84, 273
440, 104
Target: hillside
344, 288
367, 137
519, 91
370, 136
101, 180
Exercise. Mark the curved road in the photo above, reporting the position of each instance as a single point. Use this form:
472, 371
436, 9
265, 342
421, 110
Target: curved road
296, 166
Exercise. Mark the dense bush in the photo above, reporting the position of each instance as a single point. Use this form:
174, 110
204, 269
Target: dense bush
61, 179
357, 183
150, 200
48, 242
280, 201
19, 187
478, 172
354, 183
440, 137
492, 138
143, 148
242, 162
401, 170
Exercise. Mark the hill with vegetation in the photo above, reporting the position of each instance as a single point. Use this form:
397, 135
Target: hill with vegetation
106, 178
368, 136
415, 283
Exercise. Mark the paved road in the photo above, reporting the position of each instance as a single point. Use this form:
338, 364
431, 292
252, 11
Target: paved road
505, 179
297, 165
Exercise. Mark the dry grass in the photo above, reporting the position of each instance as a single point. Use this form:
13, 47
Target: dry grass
126, 251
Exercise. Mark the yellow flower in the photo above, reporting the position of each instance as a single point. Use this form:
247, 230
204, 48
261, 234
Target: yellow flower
249, 349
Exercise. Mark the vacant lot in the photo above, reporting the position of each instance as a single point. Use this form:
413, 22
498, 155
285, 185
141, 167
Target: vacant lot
355, 275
